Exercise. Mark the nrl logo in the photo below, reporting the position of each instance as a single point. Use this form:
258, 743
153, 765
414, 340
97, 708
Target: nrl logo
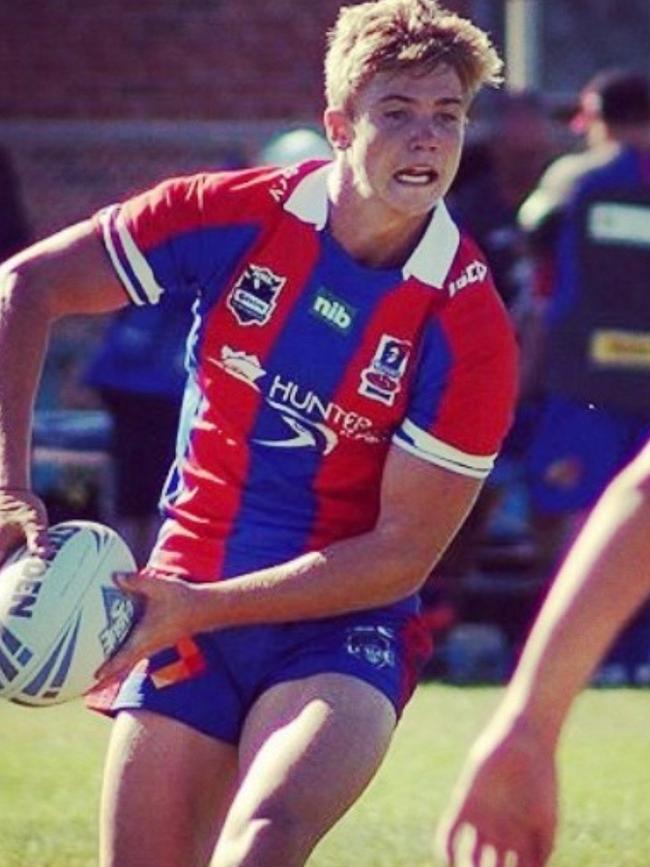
254, 296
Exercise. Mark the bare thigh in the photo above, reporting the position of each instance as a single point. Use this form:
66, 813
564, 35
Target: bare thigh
308, 750
166, 790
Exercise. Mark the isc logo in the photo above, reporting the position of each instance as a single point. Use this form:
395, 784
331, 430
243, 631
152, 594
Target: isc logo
333, 311
473, 273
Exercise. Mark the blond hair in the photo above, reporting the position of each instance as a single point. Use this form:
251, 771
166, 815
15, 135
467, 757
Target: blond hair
398, 35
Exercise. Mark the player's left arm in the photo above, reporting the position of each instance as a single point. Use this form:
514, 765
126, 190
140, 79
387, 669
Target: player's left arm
422, 507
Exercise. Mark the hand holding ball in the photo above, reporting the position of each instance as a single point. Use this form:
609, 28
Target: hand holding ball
62, 616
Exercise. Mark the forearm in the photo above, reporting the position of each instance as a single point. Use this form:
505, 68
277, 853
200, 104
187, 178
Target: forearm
362, 572
379, 567
601, 584
24, 329
422, 507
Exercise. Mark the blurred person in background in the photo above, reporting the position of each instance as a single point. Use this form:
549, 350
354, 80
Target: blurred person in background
500, 168
590, 215
517, 147
504, 808
139, 373
295, 146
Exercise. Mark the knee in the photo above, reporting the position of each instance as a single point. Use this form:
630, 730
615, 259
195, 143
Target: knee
278, 838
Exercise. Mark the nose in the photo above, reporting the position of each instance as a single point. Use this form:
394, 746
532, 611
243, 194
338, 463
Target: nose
424, 135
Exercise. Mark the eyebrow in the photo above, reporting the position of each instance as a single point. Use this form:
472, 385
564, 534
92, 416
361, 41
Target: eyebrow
399, 97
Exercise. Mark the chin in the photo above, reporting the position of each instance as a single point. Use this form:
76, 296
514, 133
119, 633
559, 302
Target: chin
417, 206
416, 200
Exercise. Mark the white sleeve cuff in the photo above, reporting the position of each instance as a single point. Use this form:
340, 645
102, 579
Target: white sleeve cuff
421, 444
130, 265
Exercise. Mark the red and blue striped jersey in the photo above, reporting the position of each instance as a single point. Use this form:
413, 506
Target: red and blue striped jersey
304, 366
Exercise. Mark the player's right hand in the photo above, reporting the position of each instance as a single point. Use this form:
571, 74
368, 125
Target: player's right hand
165, 605
23, 519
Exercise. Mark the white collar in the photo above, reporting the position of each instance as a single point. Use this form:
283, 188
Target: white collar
429, 262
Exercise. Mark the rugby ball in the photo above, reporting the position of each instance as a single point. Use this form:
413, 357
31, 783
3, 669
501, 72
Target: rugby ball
61, 617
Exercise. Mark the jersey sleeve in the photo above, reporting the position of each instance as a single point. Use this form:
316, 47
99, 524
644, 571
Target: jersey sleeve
464, 390
154, 240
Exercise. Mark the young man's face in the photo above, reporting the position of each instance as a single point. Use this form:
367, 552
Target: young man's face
405, 136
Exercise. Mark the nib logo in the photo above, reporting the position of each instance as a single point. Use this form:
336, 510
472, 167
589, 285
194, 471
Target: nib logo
333, 311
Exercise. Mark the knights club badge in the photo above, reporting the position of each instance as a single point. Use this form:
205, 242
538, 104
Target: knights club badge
254, 296
382, 379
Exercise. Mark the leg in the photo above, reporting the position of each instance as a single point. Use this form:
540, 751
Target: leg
166, 790
308, 750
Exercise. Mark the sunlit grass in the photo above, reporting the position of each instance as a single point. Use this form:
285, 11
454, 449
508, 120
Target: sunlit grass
51, 760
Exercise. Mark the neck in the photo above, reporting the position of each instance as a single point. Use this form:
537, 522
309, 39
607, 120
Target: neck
375, 237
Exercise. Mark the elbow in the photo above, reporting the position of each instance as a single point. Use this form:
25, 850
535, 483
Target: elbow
414, 578
409, 564
23, 289
417, 569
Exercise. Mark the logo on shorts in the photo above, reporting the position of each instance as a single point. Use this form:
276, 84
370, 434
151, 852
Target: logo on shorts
382, 380
373, 644
254, 296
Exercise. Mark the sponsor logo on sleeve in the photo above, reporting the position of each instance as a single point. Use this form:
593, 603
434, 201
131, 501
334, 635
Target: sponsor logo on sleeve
473, 273
382, 379
254, 296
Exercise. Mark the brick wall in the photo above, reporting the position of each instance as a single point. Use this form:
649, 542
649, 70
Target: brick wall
182, 59
98, 99
226, 73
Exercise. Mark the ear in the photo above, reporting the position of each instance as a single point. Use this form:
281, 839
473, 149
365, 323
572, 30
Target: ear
338, 127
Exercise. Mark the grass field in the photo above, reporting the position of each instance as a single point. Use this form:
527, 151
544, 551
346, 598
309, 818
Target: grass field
50, 769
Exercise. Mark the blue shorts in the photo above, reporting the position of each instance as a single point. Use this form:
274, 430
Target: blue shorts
576, 452
211, 681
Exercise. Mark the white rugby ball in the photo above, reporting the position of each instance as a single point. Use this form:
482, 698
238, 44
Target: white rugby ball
61, 617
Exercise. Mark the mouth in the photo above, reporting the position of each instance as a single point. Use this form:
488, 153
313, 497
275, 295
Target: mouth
416, 176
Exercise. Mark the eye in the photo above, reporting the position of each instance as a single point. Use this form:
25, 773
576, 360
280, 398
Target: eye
396, 114
449, 119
